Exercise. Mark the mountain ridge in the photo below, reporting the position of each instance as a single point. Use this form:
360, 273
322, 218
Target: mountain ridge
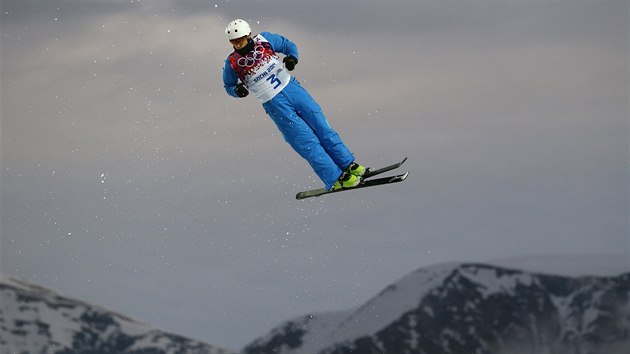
35, 319
447, 308
469, 307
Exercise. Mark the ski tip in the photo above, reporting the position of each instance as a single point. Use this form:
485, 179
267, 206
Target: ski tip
399, 178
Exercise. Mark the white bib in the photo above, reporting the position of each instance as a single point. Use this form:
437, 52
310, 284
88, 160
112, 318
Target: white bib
261, 70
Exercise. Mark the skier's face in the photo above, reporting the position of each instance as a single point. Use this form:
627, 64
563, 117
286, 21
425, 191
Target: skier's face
239, 43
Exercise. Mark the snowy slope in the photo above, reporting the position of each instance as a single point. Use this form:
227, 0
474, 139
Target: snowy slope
342, 326
470, 308
37, 320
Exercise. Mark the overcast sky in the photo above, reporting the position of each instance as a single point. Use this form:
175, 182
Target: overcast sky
131, 180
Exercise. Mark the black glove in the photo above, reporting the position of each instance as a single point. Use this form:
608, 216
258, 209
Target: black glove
241, 90
290, 62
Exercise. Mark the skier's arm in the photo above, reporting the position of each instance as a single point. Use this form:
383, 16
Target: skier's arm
281, 44
230, 79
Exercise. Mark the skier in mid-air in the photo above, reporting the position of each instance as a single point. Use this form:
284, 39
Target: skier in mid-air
254, 66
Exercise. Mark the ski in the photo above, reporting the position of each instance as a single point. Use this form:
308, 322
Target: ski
367, 183
371, 173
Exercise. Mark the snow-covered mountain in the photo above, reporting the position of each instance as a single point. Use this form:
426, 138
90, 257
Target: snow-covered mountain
470, 308
37, 320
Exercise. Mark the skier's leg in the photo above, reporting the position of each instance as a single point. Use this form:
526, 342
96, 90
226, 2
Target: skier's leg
312, 113
302, 138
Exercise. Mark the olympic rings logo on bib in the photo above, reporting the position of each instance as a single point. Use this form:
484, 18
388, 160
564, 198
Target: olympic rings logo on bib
252, 57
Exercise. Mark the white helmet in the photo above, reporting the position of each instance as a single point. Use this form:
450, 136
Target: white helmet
237, 29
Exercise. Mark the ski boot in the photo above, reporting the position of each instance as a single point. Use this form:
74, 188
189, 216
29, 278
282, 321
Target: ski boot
356, 170
347, 180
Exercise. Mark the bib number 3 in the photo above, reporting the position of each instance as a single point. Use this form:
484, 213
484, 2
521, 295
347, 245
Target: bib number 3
274, 81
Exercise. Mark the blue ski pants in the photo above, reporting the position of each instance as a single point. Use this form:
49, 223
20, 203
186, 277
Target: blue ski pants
305, 128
